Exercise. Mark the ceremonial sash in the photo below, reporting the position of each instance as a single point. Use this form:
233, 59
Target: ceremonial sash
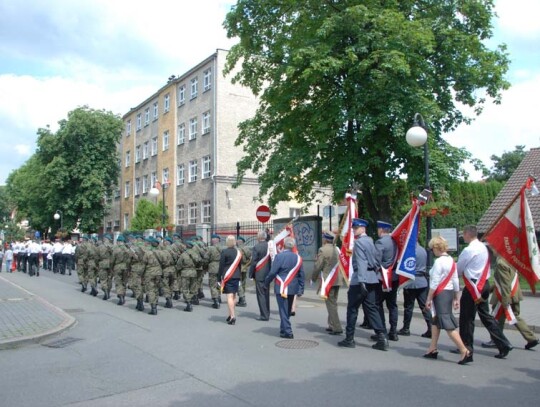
232, 268
328, 282
476, 289
386, 275
284, 284
443, 284
263, 262
499, 310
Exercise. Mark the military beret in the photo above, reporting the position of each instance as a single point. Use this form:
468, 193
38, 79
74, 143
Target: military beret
189, 245
177, 235
242, 238
168, 239
215, 236
383, 224
356, 222
120, 239
107, 236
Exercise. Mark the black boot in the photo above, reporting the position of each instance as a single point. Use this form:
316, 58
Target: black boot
133, 294
348, 342
153, 311
176, 296
189, 307
160, 292
83, 288
200, 294
105, 295
168, 303
146, 298
242, 302
382, 342
94, 292
121, 300
215, 305
195, 300
140, 305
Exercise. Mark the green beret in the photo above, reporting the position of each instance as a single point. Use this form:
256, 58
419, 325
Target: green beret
120, 239
242, 238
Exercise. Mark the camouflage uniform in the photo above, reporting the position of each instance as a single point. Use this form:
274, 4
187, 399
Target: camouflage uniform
104, 252
152, 277
137, 272
91, 265
186, 265
202, 268
81, 254
246, 261
166, 259
214, 254
121, 260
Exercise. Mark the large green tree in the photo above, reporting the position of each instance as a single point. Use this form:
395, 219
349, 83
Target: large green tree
339, 82
505, 165
147, 215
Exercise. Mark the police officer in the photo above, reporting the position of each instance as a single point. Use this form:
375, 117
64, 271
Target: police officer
261, 263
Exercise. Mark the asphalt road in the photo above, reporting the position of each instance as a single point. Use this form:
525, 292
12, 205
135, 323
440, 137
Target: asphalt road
116, 356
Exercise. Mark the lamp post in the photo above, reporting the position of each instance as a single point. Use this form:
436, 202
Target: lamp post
416, 137
154, 191
58, 215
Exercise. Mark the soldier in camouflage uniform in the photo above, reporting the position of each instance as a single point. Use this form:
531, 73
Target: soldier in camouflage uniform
168, 264
104, 252
137, 272
187, 266
246, 261
92, 265
214, 254
120, 263
152, 274
202, 267
81, 253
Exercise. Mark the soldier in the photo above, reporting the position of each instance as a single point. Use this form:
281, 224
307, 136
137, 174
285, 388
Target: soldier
166, 259
120, 263
214, 254
260, 266
186, 266
246, 261
137, 271
152, 274
81, 254
104, 251
178, 248
91, 265
202, 267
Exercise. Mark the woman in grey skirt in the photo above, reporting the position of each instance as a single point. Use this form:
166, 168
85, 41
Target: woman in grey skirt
443, 294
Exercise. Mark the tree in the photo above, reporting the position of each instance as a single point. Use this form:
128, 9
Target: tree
505, 165
147, 215
339, 82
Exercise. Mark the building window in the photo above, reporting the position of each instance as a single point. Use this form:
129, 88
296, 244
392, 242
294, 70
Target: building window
126, 221
294, 212
126, 190
153, 179
145, 184
117, 224
145, 150
128, 158
207, 81
166, 140
166, 103
147, 116
153, 147
181, 95
137, 154
206, 123
194, 88
206, 211
181, 212
109, 226
137, 187
128, 128
165, 176
192, 218
180, 174
193, 171
206, 170
139, 121
156, 111
193, 128
181, 136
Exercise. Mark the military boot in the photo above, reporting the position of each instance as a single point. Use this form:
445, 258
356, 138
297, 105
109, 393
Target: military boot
140, 305
94, 292
215, 305
189, 307
83, 288
105, 295
146, 298
242, 302
168, 303
348, 342
153, 311
160, 292
195, 300
176, 296
200, 294
121, 300
382, 342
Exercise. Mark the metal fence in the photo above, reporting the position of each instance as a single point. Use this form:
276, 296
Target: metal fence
248, 230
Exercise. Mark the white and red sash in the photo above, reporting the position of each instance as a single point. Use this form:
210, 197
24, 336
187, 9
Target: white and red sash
443, 283
386, 277
499, 310
284, 284
328, 282
476, 289
232, 268
263, 262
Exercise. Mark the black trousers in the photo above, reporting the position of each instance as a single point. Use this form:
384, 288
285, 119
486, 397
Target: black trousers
367, 296
57, 262
33, 264
467, 314
263, 299
390, 298
410, 295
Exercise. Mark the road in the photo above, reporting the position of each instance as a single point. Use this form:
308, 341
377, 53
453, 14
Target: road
116, 356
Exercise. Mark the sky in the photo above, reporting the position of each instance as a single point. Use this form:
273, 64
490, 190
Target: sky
57, 55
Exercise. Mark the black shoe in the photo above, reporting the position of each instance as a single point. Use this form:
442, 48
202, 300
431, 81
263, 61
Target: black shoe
176, 296
467, 359
293, 313
365, 325
504, 353
94, 292
489, 344
336, 333
261, 319
228, 318
431, 355
286, 336
347, 343
532, 344
195, 300
242, 302
374, 337
232, 321
153, 311
140, 305
215, 305
393, 337
189, 307
329, 330
404, 332
200, 294
105, 296
168, 303
121, 300
427, 334
382, 342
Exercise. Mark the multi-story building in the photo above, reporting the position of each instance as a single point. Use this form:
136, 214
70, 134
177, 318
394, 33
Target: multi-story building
183, 137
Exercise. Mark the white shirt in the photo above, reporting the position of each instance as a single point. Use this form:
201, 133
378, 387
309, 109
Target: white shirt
34, 248
68, 248
472, 260
441, 267
58, 247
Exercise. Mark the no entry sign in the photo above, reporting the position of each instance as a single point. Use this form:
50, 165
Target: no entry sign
263, 213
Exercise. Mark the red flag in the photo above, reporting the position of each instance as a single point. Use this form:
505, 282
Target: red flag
513, 238
347, 238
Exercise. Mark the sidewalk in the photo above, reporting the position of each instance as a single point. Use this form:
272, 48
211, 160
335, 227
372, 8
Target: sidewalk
25, 317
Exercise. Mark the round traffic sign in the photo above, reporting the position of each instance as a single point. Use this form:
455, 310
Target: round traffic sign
263, 213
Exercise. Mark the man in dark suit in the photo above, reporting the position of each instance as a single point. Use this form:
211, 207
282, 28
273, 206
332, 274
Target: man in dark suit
288, 272
259, 268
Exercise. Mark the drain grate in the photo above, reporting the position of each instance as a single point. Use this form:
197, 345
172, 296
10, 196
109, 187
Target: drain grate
297, 344
73, 310
62, 343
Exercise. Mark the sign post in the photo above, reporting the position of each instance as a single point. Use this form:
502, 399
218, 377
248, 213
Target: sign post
263, 213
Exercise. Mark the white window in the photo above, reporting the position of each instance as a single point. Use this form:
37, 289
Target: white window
206, 212
117, 193
137, 154
192, 213
206, 170
181, 212
128, 158
166, 140
126, 189
117, 224
166, 103
194, 87
294, 212
193, 171
181, 95
147, 116
126, 221
207, 81
145, 150
128, 128
193, 128
156, 111
137, 186
153, 179
139, 121
165, 176
206, 122
181, 135
153, 147
180, 174
145, 184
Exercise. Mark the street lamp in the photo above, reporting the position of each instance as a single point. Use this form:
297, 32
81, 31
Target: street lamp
416, 137
58, 215
154, 191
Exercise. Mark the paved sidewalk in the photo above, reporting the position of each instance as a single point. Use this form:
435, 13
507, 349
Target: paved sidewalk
25, 317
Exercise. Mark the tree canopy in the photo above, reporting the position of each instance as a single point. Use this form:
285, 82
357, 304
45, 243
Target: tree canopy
147, 215
339, 82
505, 165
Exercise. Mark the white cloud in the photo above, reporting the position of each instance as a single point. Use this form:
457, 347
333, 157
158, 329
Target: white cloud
23, 149
519, 18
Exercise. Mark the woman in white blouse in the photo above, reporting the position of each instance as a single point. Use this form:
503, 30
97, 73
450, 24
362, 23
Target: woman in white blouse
443, 293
